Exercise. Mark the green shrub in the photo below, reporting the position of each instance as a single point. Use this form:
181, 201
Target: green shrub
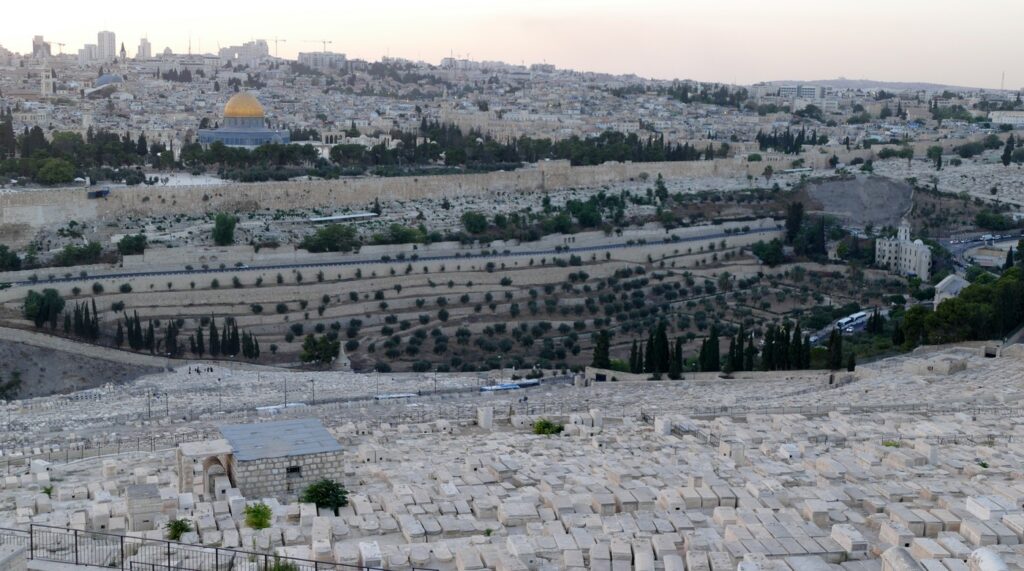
326, 494
177, 528
258, 515
547, 427
279, 565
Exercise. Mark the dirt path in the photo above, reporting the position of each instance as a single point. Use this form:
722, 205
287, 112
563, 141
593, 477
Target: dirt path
863, 200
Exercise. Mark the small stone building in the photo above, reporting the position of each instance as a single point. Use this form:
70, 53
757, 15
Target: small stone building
267, 459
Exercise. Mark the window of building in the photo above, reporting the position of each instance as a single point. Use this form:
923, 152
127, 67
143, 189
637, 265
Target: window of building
293, 471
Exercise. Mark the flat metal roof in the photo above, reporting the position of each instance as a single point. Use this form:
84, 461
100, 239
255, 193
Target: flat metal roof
279, 439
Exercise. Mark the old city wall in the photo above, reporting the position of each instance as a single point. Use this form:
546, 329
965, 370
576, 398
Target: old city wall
22, 213
38, 208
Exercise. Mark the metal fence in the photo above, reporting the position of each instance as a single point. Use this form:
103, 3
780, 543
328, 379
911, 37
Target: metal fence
99, 549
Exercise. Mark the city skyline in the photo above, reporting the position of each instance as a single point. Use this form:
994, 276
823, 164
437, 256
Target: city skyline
915, 41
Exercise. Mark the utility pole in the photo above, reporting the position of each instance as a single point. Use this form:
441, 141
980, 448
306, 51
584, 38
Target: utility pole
286, 392
312, 385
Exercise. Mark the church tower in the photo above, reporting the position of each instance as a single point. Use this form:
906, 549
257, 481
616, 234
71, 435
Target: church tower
124, 63
903, 234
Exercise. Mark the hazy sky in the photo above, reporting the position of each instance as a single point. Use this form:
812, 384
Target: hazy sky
962, 42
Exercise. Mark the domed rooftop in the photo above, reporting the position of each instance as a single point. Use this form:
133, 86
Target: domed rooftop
243, 105
107, 79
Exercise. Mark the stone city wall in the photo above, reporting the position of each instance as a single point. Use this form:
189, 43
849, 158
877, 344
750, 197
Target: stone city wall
24, 212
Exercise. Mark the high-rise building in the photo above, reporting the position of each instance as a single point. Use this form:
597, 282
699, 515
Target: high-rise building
249, 53
88, 54
107, 46
40, 48
322, 60
145, 50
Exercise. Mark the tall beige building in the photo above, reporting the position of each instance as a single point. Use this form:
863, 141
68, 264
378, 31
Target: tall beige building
106, 43
145, 49
903, 256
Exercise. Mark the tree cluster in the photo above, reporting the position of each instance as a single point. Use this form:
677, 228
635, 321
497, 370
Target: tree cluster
788, 142
983, 310
82, 322
785, 349
320, 350
43, 307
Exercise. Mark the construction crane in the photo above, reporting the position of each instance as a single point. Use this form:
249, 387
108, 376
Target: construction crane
61, 45
276, 40
324, 42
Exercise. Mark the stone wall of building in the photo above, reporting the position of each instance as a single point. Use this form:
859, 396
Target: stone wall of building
269, 477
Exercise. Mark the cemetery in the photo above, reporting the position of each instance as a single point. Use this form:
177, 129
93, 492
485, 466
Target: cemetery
909, 463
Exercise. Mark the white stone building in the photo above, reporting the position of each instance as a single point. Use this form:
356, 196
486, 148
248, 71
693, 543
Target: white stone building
904, 256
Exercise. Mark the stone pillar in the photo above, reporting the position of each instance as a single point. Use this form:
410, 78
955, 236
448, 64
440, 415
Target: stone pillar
485, 417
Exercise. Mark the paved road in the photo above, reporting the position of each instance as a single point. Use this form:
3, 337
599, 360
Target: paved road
565, 250
959, 245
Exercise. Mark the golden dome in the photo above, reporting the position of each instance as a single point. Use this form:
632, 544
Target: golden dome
243, 105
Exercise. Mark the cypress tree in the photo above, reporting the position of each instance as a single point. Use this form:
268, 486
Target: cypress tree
796, 349
738, 361
835, 350
714, 355
749, 355
782, 349
768, 351
119, 335
632, 357
675, 368
651, 351
602, 358
897, 334
139, 340
214, 339
200, 346
663, 354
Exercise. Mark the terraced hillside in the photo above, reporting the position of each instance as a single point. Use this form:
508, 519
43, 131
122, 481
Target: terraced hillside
464, 313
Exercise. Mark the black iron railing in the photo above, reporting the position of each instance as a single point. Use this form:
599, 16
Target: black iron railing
113, 551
